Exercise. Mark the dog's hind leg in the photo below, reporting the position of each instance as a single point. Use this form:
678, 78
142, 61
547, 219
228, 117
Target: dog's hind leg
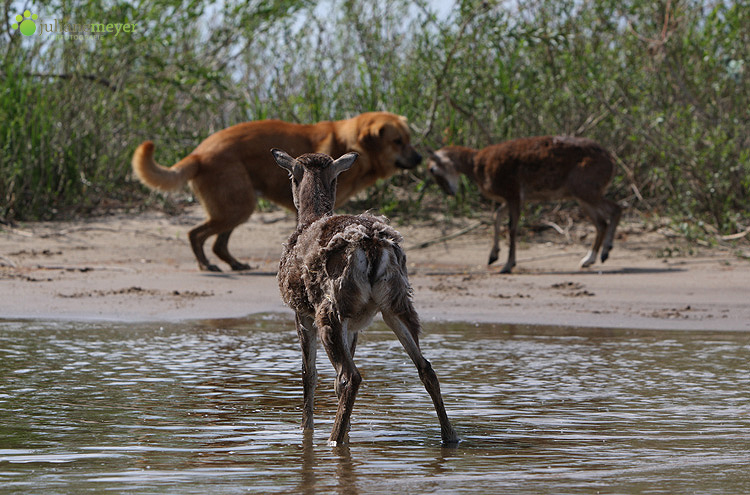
198, 237
229, 200
221, 249
241, 207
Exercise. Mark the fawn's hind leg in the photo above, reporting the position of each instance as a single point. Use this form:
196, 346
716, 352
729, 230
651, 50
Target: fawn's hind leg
406, 328
331, 334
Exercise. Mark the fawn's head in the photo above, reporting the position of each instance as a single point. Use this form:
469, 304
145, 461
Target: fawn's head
313, 177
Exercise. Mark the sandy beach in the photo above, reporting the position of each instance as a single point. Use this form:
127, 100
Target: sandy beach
139, 267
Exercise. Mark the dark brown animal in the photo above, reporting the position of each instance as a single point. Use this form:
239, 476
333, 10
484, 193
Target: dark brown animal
336, 272
536, 168
230, 169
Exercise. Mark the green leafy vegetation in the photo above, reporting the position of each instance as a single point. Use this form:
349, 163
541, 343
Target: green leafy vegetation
664, 85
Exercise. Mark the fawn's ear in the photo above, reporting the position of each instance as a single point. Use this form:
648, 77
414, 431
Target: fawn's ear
288, 163
344, 163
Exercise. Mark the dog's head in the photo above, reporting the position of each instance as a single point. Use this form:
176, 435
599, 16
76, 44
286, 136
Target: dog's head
386, 136
444, 171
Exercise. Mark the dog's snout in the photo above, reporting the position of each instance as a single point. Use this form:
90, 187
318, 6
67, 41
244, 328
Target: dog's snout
411, 160
416, 158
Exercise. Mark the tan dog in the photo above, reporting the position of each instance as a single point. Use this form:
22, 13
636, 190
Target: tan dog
230, 169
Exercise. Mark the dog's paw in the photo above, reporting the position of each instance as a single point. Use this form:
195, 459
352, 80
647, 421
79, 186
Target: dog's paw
240, 266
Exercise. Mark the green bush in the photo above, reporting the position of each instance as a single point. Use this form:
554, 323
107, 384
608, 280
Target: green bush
664, 85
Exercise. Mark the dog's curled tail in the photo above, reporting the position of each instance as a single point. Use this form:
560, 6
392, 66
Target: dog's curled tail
157, 177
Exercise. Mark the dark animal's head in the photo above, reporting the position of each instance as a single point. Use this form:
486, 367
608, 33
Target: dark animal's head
313, 177
444, 171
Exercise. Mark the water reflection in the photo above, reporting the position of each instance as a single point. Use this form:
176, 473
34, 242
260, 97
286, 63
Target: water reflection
214, 407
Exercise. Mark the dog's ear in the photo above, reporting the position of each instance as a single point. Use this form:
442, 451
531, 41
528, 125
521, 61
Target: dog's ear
285, 161
371, 135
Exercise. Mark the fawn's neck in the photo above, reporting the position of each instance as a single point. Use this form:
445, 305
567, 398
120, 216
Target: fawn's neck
319, 206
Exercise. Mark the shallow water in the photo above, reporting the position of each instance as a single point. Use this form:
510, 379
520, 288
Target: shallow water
214, 407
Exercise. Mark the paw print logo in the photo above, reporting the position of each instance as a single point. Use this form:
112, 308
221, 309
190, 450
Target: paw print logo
26, 25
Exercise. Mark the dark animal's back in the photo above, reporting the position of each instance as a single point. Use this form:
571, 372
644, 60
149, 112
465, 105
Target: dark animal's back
544, 167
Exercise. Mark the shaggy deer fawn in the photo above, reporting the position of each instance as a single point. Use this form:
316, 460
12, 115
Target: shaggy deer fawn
536, 168
336, 272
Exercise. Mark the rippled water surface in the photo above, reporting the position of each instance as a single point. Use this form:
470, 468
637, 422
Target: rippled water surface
214, 407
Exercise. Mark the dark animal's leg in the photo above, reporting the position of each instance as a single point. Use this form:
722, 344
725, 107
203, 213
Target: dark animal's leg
514, 215
221, 249
307, 341
614, 218
600, 223
496, 235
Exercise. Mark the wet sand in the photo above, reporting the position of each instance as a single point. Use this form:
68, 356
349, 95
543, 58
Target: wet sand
139, 267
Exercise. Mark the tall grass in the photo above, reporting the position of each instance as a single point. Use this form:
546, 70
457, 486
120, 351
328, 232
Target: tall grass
663, 84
